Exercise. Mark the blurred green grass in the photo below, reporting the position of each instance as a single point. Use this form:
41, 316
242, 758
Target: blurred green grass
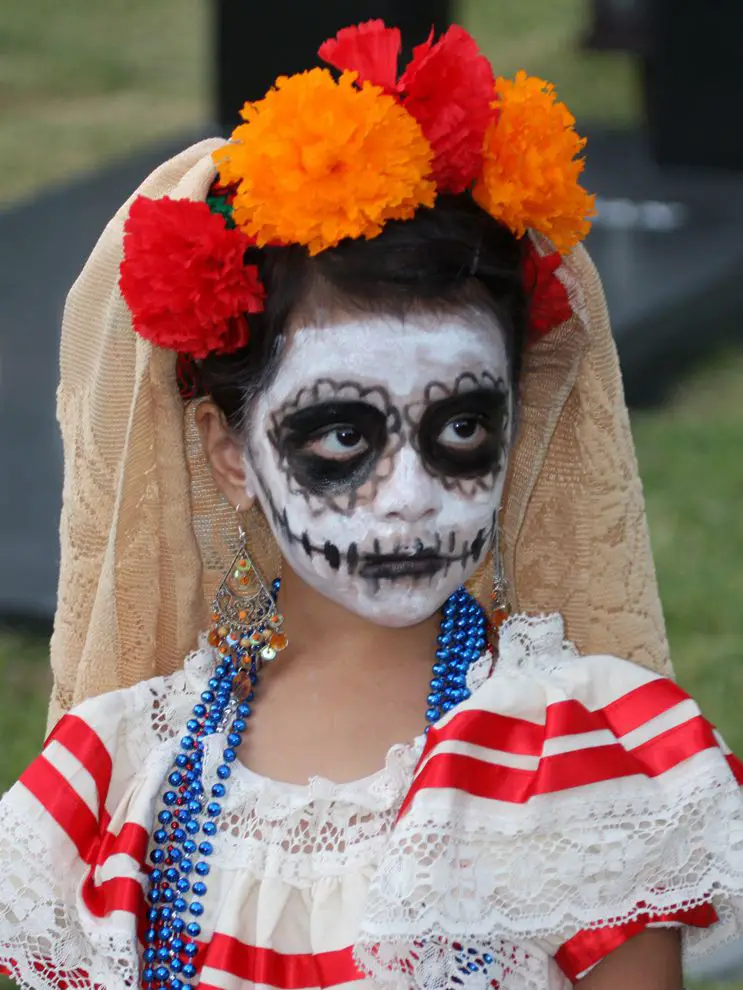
81, 83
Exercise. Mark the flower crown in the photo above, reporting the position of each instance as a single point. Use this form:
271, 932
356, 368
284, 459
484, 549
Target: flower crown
323, 157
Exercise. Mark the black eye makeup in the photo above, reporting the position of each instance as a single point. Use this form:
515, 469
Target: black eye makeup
463, 436
332, 447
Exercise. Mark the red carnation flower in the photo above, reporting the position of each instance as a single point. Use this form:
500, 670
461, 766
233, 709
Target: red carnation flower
184, 278
371, 49
448, 87
549, 304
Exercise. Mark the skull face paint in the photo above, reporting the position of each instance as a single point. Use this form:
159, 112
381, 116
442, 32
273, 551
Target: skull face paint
378, 454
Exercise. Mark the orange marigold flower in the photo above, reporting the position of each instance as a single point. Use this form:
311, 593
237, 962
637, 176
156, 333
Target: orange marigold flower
532, 166
319, 160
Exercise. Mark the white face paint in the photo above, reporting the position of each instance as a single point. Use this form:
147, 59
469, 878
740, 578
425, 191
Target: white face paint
378, 454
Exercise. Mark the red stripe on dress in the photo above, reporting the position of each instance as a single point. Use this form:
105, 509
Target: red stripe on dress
562, 771
286, 971
58, 797
116, 894
736, 767
586, 949
79, 739
562, 718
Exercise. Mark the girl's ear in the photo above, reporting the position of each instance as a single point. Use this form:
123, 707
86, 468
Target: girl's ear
224, 451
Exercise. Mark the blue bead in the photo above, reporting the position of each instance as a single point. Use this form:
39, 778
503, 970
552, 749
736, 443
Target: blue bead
149, 955
176, 966
166, 913
181, 760
207, 696
164, 817
187, 742
434, 698
157, 855
229, 755
193, 930
213, 683
189, 776
234, 738
179, 835
175, 778
148, 974
174, 854
206, 848
199, 888
161, 973
239, 725
196, 908
192, 827
223, 771
193, 725
447, 625
177, 924
153, 913
432, 715
199, 710
219, 790
437, 684
182, 816
155, 877
186, 865
189, 846
183, 885
189, 970
213, 809
153, 896
150, 935
194, 807
170, 797
438, 669
447, 706
179, 905
172, 874
209, 828
177, 944
243, 709
175, 983
168, 894
202, 869
163, 953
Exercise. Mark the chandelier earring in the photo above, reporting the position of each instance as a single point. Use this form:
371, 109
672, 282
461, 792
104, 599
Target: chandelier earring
248, 629
499, 605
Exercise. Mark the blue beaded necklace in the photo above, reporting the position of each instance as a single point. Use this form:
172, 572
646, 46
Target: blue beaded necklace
188, 819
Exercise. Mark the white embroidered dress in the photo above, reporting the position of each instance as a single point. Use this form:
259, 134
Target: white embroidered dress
570, 802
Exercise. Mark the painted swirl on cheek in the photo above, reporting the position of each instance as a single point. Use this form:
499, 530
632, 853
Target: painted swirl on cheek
332, 447
464, 435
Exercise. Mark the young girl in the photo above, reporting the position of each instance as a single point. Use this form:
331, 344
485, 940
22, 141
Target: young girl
338, 377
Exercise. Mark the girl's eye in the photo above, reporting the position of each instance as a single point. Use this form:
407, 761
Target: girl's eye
463, 433
339, 443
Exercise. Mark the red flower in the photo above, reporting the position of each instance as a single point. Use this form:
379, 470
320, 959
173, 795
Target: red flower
449, 87
371, 49
549, 305
184, 278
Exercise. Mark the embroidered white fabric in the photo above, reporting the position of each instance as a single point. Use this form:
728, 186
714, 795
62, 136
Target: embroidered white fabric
444, 882
677, 838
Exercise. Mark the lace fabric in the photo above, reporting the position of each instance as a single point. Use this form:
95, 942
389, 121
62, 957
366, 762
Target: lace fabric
414, 876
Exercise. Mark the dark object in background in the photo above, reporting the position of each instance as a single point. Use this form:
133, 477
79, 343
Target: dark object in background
255, 42
693, 82
618, 26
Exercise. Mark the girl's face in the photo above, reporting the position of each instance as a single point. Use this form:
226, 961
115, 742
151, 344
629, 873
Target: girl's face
378, 455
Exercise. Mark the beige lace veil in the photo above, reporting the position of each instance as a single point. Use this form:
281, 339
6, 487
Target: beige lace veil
145, 537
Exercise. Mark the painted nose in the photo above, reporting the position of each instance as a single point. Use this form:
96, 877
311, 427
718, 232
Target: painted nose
409, 493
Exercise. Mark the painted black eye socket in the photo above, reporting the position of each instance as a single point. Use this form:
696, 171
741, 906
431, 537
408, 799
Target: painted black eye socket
464, 436
332, 446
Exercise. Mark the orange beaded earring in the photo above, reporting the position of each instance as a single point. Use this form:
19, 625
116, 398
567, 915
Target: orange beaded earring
246, 620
